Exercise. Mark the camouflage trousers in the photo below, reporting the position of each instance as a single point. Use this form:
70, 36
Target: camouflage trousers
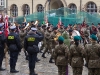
77, 70
61, 69
94, 71
48, 48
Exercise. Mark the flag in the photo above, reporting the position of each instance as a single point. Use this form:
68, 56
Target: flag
59, 23
84, 23
6, 30
46, 19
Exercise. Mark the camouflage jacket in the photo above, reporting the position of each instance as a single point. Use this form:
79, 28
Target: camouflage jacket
93, 55
76, 55
61, 54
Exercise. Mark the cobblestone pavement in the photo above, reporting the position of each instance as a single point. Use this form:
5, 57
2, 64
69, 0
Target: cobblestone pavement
42, 67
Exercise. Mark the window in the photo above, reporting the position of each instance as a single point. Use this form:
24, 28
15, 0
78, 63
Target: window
72, 9
14, 10
39, 8
91, 8
26, 10
1, 2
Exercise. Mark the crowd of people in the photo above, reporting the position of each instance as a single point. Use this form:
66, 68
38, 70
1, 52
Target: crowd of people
69, 44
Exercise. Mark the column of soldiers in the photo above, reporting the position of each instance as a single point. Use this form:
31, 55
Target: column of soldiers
63, 46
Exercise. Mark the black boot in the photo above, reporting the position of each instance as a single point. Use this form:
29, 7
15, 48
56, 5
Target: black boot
1, 69
50, 61
13, 71
43, 55
37, 60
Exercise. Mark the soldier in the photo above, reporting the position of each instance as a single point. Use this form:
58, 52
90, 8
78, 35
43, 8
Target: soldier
31, 46
93, 56
44, 40
61, 30
22, 34
76, 54
13, 43
2, 46
65, 34
61, 56
48, 43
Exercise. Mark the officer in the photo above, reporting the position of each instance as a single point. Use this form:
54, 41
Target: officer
31, 45
61, 56
2, 46
76, 54
93, 56
13, 43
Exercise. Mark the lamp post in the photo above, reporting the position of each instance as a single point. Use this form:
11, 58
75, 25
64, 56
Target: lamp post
80, 5
49, 6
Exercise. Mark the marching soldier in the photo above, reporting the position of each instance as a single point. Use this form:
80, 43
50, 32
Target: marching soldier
48, 43
2, 46
61, 30
22, 34
61, 56
93, 56
76, 54
13, 43
31, 46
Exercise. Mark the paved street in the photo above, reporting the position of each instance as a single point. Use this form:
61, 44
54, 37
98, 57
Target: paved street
42, 67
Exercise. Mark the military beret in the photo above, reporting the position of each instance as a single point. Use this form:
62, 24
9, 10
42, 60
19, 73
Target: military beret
55, 28
13, 27
77, 38
1, 25
43, 26
70, 30
99, 28
60, 38
32, 21
34, 29
93, 37
65, 27
39, 25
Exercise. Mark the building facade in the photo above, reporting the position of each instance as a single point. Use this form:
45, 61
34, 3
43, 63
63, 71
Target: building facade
25, 7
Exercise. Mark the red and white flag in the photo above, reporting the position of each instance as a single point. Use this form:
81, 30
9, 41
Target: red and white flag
59, 23
6, 30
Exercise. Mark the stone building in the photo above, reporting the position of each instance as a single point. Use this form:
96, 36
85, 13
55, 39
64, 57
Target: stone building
25, 7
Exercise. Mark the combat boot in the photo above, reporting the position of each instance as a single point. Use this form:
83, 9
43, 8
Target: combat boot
1, 69
13, 71
50, 61
43, 55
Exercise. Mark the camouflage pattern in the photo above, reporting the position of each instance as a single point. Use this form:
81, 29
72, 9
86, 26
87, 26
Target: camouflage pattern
61, 58
48, 42
76, 55
93, 58
61, 30
22, 35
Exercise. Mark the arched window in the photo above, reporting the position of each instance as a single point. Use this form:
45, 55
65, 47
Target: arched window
1, 2
91, 8
72, 9
14, 10
39, 8
26, 9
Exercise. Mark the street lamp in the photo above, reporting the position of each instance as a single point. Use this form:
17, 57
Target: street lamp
80, 5
49, 6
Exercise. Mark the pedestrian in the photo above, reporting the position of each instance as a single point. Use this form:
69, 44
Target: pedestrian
31, 46
61, 56
2, 46
93, 56
76, 55
14, 45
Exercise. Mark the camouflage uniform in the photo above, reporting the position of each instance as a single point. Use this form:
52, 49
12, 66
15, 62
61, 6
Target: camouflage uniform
61, 58
93, 58
76, 55
61, 30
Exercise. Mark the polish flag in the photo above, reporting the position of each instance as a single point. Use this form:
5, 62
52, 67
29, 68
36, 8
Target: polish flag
6, 30
59, 23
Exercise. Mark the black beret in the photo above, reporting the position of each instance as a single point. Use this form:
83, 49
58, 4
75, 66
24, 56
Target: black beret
55, 28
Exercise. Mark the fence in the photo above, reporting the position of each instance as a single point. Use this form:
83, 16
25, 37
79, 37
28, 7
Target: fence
68, 16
